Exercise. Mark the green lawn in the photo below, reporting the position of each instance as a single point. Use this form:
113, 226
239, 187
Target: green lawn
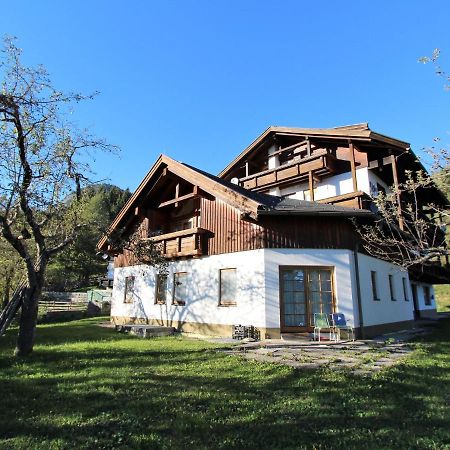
87, 387
442, 293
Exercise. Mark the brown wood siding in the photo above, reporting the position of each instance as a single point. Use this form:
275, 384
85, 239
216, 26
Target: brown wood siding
228, 232
308, 232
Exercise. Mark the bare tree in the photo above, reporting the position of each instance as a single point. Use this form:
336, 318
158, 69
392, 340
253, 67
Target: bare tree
139, 246
44, 164
405, 230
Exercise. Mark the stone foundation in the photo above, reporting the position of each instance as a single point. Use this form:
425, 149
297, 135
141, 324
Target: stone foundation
207, 329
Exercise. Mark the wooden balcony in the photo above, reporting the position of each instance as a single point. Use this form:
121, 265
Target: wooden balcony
321, 163
358, 199
190, 242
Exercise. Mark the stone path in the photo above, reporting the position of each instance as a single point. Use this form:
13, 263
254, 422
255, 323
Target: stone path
360, 357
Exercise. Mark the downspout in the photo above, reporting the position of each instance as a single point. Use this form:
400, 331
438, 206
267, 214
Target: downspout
358, 293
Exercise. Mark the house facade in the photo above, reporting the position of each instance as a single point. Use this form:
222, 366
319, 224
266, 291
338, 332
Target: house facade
270, 241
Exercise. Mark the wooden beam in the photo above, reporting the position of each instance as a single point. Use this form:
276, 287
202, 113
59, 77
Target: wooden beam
246, 169
287, 149
342, 197
353, 166
311, 186
175, 201
308, 146
397, 192
379, 162
177, 193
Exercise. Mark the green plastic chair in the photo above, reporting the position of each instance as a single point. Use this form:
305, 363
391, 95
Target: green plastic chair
321, 322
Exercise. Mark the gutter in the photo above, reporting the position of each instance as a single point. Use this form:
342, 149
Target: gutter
358, 292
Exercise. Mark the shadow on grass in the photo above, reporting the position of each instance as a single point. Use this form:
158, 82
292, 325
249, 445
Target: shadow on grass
114, 391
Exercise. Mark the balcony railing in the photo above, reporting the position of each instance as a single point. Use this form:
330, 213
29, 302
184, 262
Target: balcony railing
190, 242
358, 199
321, 163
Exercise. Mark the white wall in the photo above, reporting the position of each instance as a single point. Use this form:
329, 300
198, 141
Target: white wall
341, 260
385, 310
421, 296
373, 180
338, 185
203, 286
331, 186
258, 288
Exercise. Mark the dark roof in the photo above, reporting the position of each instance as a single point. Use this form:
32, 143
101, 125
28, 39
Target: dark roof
302, 207
250, 203
264, 199
274, 205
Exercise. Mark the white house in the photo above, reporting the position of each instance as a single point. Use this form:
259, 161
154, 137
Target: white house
269, 242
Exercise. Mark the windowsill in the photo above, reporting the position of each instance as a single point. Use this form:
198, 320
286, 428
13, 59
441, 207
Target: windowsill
160, 303
178, 303
226, 305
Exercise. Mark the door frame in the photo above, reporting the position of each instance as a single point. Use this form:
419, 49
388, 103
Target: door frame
281, 269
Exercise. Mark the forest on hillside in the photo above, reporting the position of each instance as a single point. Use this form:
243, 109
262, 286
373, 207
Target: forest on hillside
78, 266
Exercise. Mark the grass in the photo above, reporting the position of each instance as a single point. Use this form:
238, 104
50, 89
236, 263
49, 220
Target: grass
86, 387
442, 292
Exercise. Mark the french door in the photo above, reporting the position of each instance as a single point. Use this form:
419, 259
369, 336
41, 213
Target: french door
304, 291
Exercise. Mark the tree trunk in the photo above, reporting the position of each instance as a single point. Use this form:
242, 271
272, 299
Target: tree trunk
28, 319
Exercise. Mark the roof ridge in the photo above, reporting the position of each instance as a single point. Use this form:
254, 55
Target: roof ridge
356, 126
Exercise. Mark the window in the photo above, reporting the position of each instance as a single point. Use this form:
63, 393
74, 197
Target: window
304, 292
129, 290
228, 287
161, 289
373, 276
391, 288
179, 288
427, 296
405, 290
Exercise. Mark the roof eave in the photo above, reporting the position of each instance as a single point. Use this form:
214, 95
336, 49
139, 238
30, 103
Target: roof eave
245, 204
354, 132
357, 213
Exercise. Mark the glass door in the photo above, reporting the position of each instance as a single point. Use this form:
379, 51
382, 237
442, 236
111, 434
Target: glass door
293, 301
320, 293
304, 291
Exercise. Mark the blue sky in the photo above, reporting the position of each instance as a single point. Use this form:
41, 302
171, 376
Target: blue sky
199, 80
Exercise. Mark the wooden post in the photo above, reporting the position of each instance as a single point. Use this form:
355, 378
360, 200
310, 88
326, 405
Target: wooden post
246, 169
311, 185
177, 193
308, 146
397, 192
353, 166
